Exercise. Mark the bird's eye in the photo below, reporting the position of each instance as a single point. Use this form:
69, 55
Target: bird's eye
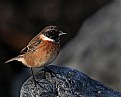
51, 34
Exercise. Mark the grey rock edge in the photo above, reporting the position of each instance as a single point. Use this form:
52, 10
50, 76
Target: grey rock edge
56, 81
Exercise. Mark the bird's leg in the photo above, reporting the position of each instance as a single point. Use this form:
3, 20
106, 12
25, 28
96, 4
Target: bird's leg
33, 76
35, 81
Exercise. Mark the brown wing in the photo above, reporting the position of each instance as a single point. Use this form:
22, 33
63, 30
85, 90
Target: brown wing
32, 44
24, 50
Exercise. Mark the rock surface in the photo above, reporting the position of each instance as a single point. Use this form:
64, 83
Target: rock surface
96, 50
65, 82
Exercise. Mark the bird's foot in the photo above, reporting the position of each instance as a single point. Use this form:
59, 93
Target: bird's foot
52, 73
38, 83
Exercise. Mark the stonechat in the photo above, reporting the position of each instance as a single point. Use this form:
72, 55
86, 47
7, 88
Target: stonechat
42, 49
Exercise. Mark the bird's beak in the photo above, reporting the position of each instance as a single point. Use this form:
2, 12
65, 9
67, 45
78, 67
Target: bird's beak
62, 33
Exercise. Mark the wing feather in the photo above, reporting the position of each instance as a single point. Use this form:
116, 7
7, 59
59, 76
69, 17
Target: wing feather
32, 45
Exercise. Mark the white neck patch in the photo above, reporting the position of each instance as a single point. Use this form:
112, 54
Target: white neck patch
46, 38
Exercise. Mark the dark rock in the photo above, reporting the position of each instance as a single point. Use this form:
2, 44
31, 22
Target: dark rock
65, 82
96, 50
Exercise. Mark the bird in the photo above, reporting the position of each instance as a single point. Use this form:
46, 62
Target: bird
41, 50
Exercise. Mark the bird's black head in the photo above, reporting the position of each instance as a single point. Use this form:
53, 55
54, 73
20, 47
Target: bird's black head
52, 32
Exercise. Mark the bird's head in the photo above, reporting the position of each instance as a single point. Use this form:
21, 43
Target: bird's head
52, 33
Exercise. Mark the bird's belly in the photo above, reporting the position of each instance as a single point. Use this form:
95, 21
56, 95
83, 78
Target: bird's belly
43, 55
45, 59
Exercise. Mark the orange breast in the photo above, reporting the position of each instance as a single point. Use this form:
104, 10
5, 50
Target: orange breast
45, 53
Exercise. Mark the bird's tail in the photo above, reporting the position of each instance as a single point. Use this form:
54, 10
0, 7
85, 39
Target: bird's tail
18, 58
